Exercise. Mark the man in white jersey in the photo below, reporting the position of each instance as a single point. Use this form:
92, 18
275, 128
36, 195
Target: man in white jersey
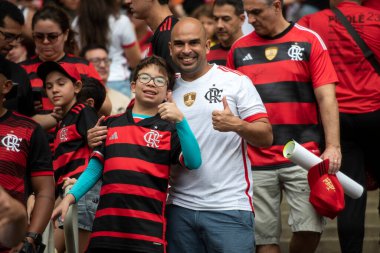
210, 210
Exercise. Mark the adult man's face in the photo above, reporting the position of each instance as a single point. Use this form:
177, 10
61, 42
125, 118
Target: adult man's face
228, 24
8, 34
99, 58
262, 15
188, 48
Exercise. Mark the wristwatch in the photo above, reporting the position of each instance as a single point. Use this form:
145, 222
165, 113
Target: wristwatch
37, 238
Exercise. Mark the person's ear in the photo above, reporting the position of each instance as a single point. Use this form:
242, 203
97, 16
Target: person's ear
7, 86
133, 87
90, 102
170, 48
77, 86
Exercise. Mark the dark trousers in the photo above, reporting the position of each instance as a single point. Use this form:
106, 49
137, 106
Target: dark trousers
360, 141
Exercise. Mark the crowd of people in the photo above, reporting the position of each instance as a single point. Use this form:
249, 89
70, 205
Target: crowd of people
165, 121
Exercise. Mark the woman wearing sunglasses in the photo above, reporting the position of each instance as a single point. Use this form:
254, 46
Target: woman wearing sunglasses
55, 42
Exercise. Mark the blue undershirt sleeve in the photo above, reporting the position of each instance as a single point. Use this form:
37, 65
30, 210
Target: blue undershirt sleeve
190, 148
87, 179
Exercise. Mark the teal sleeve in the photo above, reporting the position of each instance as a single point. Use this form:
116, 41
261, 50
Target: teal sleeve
190, 148
87, 179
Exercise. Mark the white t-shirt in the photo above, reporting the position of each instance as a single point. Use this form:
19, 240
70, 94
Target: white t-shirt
224, 181
122, 36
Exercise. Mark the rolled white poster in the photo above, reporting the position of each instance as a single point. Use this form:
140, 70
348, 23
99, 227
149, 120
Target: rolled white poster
306, 159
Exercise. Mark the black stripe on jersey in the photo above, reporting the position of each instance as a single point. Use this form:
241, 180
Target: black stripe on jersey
33, 75
257, 53
125, 245
286, 92
125, 224
11, 168
136, 178
301, 133
134, 202
65, 147
68, 167
222, 62
148, 154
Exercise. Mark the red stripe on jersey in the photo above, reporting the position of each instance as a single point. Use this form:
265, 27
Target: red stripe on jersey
65, 158
98, 155
274, 154
256, 117
42, 173
246, 175
129, 213
67, 134
132, 189
129, 45
227, 69
170, 24
12, 183
292, 113
127, 235
138, 165
162, 138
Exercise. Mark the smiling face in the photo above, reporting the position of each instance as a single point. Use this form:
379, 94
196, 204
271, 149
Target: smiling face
147, 93
61, 90
188, 48
50, 40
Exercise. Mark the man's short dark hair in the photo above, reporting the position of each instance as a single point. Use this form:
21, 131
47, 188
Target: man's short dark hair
92, 88
91, 47
237, 4
8, 9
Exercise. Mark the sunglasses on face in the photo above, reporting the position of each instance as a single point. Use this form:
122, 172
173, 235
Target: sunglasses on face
51, 37
9, 37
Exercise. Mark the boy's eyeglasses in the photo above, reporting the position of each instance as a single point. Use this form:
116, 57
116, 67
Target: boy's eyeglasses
158, 80
98, 61
9, 37
51, 37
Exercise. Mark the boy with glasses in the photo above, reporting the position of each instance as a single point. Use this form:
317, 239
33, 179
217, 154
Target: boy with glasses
134, 163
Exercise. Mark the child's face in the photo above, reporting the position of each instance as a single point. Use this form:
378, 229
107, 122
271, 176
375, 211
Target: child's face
60, 90
149, 92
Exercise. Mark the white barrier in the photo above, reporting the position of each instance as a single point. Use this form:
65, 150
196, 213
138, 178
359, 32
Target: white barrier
70, 227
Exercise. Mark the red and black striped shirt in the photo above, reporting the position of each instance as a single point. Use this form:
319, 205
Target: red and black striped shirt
24, 153
71, 150
218, 55
285, 71
137, 159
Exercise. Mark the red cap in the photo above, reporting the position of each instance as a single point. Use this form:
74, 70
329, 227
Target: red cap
326, 192
65, 68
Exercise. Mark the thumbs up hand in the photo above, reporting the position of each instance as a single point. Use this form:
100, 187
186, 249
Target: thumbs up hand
225, 120
169, 110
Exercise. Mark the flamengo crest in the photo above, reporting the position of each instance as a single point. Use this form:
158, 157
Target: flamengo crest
152, 138
11, 142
